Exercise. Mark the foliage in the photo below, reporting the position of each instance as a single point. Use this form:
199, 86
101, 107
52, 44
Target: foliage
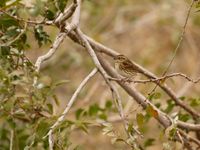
27, 112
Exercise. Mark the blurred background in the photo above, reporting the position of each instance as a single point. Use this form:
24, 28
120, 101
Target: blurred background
147, 31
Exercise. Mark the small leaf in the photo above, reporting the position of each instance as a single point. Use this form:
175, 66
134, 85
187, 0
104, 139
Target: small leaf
103, 116
82, 125
49, 15
151, 111
108, 104
62, 4
61, 82
155, 95
184, 117
149, 142
194, 102
50, 108
140, 119
42, 128
79, 112
5, 50
55, 98
93, 110
170, 106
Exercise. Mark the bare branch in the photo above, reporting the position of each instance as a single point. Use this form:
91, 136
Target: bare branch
60, 37
103, 49
178, 45
68, 12
69, 105
181, 37
161, 79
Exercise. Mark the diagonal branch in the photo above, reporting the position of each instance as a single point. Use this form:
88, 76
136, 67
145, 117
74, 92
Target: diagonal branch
69, 105
116, 96
108, 51
60, 37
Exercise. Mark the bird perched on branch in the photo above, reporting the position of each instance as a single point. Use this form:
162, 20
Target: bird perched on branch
125, 67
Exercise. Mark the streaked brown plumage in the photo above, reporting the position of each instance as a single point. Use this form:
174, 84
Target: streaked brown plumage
125, 67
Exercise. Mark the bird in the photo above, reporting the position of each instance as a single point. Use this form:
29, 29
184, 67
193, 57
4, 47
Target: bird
125, 67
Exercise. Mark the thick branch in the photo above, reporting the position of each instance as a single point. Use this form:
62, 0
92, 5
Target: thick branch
103, 49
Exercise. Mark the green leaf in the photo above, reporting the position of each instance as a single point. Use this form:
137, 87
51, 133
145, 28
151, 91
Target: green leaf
151, 111
5, 50
3, 3
41, 36
80, 112
140, 119
194, 102
6, 22
155, 95
50, 108
82, 125
184, 117
61, 82
93, 110
149, 142
50, 15
172, 132
103, 116
62, 4
108, 104
55, 98
42, 128
170, 106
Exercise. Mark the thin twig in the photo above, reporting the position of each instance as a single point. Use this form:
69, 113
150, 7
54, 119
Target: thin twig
11, 139
27, 21
69, 105
181, 37
59, 39
178, 45
106, 77
110, 52
161, 79
22, 31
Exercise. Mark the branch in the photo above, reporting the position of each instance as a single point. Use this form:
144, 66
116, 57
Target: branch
181, 37
115, 94
69, 105
138, 97
163, 118
103, 49
161, 79
27, 21
60, 37
68, 12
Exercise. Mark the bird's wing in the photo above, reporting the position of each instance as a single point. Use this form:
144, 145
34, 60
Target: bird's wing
129, 65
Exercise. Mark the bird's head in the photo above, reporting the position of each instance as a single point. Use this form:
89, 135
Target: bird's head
120, 58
